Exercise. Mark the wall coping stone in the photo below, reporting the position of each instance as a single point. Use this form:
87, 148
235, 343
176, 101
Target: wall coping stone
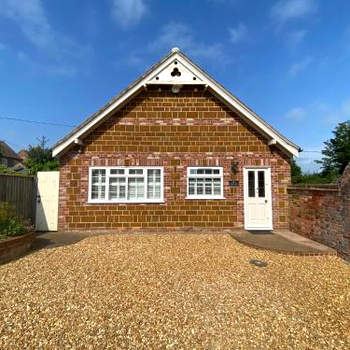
311, 187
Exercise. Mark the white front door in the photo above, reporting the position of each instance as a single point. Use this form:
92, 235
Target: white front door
47, 201
257, 199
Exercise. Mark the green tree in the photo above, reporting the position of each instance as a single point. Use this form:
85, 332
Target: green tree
337, 151
40, 158
296, 172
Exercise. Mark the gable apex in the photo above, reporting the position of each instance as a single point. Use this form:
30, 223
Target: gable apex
176, 72
176, 69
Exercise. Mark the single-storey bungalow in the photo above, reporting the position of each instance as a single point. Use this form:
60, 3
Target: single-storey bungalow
175, 149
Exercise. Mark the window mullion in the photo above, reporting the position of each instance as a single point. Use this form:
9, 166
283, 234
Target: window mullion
107, 185
145, 183
126, 187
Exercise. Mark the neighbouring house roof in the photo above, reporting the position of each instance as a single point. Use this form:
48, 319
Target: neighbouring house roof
175, 69
7, 152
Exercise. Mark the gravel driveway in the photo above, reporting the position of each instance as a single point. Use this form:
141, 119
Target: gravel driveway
176, 291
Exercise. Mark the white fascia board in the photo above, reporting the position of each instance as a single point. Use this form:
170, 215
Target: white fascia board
251, 117
57, 150
228, 98
205, 80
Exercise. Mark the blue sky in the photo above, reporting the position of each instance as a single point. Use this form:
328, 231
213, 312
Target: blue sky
289, 60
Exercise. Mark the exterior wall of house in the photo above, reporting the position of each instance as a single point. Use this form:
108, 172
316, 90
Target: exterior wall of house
159, 128
8, 162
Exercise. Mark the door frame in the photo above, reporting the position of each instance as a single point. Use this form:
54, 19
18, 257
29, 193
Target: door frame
268, 190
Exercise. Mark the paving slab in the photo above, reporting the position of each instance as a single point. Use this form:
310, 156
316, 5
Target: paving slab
283, 241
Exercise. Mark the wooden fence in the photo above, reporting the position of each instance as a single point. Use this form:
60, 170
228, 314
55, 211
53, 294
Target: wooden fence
20, 191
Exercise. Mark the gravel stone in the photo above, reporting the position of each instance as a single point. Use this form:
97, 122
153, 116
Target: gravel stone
172, 291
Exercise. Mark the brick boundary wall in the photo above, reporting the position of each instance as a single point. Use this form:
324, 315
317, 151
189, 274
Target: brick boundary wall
322, 213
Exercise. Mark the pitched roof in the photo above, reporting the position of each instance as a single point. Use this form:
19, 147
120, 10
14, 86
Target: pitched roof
165, 72
7, 152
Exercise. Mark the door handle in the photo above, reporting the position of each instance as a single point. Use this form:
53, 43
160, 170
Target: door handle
265, 200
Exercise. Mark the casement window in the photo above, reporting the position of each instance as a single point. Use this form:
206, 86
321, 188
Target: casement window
205, 183
126, 184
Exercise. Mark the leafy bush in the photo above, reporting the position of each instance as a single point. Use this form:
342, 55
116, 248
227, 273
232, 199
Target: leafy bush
314, 178
10, 224
298, 177
40, 158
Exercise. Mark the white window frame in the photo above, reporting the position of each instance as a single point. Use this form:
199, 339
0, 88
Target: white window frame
205, 196
108, 175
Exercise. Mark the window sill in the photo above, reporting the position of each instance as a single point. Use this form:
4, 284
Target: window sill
126, 202
206, 198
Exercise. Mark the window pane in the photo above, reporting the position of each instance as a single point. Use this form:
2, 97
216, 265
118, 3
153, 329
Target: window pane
98, 179
135, 171
191, 186
117, 171
208, 186
200, 186
153, 183
136, 188
217, 186
98, 192
206, 182
217, 189
117, 188
251, 183
261, 183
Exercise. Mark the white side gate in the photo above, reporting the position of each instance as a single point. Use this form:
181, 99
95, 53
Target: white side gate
47, 201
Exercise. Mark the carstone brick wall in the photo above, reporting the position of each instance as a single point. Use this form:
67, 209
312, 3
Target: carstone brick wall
322, 213
175, 131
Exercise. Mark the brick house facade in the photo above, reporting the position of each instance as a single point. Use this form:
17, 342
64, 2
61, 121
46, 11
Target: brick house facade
191, 126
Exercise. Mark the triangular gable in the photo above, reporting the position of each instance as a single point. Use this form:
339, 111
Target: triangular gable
176, 69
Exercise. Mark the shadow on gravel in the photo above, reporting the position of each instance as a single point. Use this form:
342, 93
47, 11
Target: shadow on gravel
46, 240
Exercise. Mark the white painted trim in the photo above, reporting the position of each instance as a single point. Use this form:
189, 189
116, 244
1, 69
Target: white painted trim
204, 80
204, 196
245, 196
126, 201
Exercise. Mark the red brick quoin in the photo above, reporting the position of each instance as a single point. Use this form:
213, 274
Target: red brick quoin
174, 131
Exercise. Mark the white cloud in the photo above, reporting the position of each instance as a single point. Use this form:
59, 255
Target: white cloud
299, 67
30, 17
327, 114
175, 34
127, 13
297, 113
61, 51
238, 34
49, 68
294, 38
285, 10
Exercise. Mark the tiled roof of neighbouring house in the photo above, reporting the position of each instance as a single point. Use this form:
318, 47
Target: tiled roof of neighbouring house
7, 152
